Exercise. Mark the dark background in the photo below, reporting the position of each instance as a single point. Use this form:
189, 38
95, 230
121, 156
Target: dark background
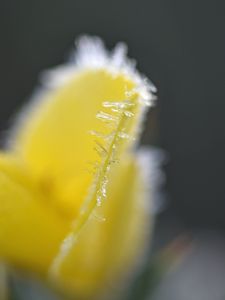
179, 44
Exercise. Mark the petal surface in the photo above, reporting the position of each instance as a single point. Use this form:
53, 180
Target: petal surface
112, 240
53, 137
53, 141
30, 230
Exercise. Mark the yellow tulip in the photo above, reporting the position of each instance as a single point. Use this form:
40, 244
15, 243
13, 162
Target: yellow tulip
74, 207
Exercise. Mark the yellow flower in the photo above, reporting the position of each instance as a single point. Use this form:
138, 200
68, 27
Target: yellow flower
73, 199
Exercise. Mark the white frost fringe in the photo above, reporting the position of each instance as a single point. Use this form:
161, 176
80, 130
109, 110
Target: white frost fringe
91, 53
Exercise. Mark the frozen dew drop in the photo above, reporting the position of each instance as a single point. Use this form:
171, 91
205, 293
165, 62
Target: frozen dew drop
106, 117
99, 218
128, 113
118, 105
96, 133
101, 135
101, 150
124, 135
130, 93
99, 200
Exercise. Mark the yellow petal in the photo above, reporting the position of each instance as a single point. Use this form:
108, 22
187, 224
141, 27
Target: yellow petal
54, 137
112, 240
105, 95
30, 230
